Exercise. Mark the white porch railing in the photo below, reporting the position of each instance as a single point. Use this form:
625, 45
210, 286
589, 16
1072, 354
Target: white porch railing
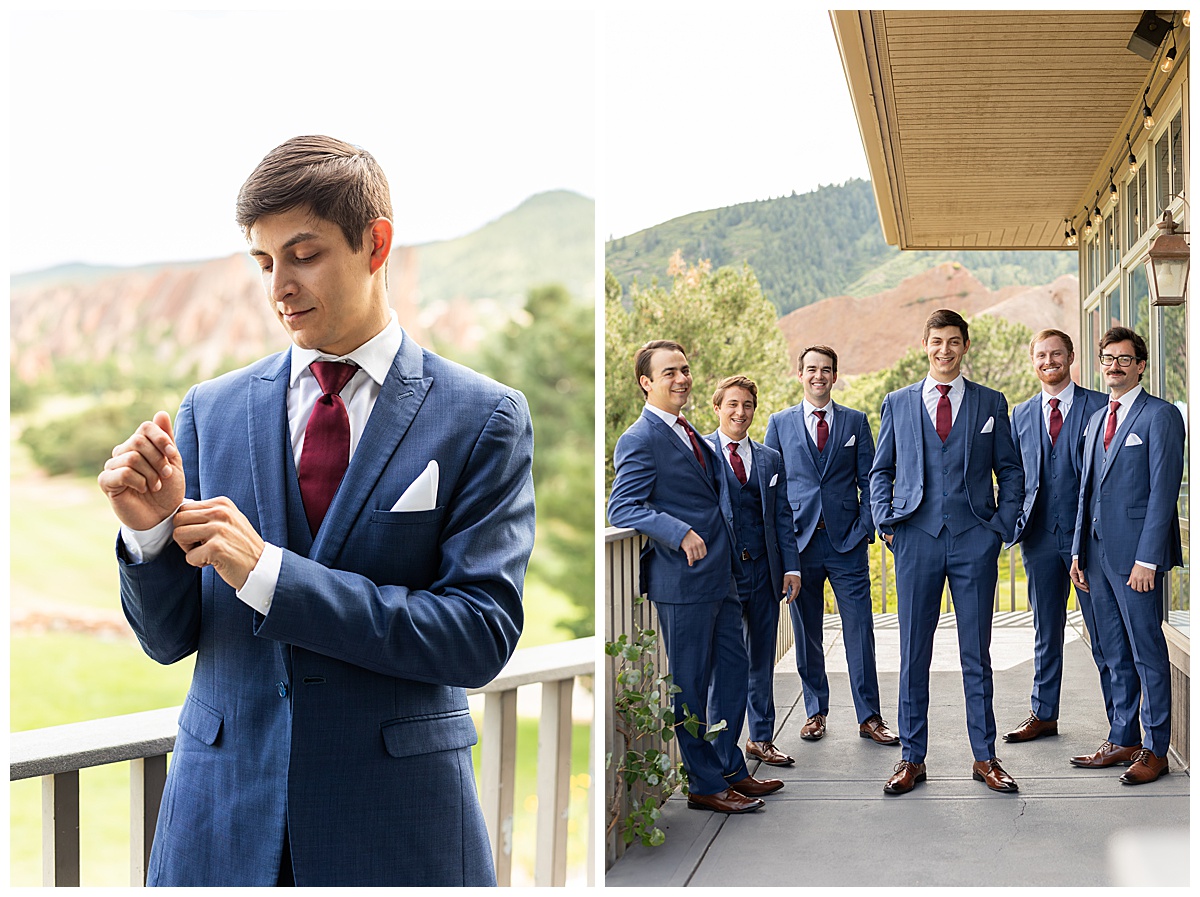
56, 754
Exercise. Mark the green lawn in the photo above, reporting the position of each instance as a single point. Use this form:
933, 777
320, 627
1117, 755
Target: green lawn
61, 545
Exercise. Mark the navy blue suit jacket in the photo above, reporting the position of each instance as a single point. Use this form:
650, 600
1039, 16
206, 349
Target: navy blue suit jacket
768, 467
343, 712
1028, 424
661, 491
1139, 489
839, 490
897, 476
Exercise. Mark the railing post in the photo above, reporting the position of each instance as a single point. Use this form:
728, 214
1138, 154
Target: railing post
147, 778
554, 783
499, 774
591, 804
60, 830
1012, 579
883, 553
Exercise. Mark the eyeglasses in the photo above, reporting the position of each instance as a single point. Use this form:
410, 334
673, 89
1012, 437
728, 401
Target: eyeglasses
1121, 360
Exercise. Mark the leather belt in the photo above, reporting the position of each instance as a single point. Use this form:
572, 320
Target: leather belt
820, 523
745, 554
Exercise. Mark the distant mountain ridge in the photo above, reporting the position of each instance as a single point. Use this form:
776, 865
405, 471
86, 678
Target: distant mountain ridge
808, 247
210, 313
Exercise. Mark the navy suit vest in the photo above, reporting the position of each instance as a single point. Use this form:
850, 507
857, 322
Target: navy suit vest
944, 503
748, 527
1058, 487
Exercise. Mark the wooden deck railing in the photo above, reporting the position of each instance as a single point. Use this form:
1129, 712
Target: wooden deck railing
56, 754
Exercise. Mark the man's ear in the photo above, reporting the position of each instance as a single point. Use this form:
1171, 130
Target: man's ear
379, 232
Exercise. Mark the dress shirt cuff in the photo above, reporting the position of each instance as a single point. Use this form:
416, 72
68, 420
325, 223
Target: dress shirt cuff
792, 573
1153, 567
258, 591
144, 545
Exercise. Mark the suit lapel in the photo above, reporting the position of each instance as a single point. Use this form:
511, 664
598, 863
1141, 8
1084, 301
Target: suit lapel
677, 444
834, 445
1033, 425
1119, 437
266, 407
759, 469
400, 398
803, 438
969, 410
916, 408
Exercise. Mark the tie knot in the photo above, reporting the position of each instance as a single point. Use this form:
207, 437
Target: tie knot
732, 447
944, 388
1113, 406
683, 422
332, 376
820, 414
1054, 403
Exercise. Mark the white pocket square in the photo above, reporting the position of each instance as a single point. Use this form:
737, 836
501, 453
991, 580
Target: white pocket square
851, 442
421, 495
774, 480
987, 428
1133, 439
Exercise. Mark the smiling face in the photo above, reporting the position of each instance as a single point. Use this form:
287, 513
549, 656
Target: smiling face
946, 348
327, 296
1121, 380
736, 412
817, 376
669, 384
1052, 362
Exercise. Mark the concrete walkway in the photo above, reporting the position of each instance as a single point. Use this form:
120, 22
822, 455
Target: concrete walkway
832, 824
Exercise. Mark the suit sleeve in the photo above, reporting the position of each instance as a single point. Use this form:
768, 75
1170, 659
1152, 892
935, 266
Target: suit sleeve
883, 470
1018, 531
864, 460
161, 598
628, 503
1010, 476
1166, 475
463, 628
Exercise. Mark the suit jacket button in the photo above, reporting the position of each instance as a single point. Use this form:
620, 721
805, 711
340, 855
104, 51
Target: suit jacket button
281, 687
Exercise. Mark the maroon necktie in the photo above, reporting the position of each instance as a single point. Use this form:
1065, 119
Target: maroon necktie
326, 453
695, 442
1110, 429
735, 461
822, 431
944, 416
1055, 421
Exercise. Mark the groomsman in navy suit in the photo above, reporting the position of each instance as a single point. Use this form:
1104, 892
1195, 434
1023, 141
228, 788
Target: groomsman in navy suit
940, 442
763, 542
670, 487
1048, 432
1126, 538
827, 449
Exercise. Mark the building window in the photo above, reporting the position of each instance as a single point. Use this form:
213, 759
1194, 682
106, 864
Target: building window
1171, 382
1139, 301
1168, 164
1135, 207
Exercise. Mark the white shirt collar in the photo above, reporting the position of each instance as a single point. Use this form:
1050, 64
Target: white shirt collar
667, 417
810, 408
931, 385
1064, 398
1127, 399
725, 440
375, 356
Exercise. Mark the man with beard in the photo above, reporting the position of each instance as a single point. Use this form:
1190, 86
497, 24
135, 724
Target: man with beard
1048, 433
1126, 537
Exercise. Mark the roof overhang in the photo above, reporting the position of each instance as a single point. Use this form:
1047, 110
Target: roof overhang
986, 129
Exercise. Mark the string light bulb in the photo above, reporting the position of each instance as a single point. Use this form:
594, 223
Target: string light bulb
1147, 114
1169, 59
1112, 188
1073, 238
1087, 224
1133, 166
1187, 18
1096, 216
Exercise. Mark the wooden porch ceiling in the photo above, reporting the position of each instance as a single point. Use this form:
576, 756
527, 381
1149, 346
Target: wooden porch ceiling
985, 129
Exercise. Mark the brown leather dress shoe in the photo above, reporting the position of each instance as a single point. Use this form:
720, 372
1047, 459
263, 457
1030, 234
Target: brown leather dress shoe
1032, 728
768, 753
877, 730
1147, 766
1108, 754
814, 728
752, 787
906, 777
990, 773
728, 801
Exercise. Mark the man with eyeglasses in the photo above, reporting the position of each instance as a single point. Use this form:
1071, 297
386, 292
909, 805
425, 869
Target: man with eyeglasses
1048, 432
1126, 537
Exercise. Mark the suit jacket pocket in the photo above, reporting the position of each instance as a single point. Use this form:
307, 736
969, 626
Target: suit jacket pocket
424, 735
1137, 513
408, 518
200, 721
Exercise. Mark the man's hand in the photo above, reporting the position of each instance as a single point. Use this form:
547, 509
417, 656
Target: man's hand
693, 546
1077, 576
144, 478
215, 533
1141, 579
887, 537
791, 587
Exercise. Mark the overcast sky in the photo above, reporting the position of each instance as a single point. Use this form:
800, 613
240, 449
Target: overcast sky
130, 132
712, 107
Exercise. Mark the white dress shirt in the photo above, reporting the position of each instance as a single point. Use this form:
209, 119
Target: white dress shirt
810, 419
930, 393
1065, 399
374, 359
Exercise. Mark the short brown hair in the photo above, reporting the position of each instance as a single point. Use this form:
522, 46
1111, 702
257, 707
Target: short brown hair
946, 317
1120, 334
737, 380
339, 182
820, 350
641, 360
1048, 333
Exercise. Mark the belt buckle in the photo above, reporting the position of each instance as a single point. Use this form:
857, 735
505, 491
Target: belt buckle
745, 554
